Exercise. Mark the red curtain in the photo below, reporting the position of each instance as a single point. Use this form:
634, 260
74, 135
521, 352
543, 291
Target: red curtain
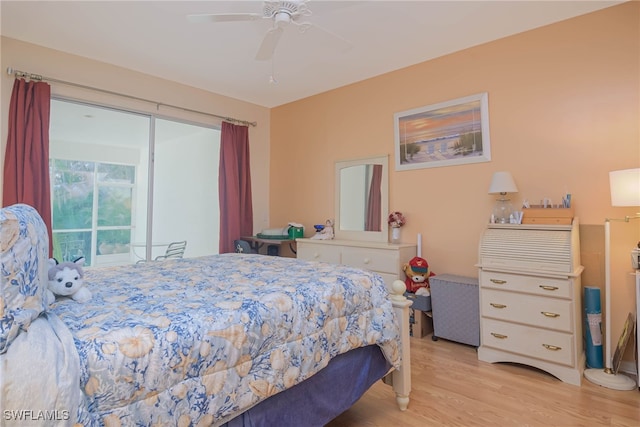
234, 186
374, 203
26, 161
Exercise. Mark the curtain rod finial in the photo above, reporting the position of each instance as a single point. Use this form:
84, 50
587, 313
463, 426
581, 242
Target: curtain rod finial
9, 70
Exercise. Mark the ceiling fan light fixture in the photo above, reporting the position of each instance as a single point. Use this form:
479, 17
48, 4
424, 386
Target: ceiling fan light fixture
294, 9
282, 18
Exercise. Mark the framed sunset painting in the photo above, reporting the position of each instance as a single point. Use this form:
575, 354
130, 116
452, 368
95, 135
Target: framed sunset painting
449, 133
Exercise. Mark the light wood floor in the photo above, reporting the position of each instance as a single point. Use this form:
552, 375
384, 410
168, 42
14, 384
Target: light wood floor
450, 387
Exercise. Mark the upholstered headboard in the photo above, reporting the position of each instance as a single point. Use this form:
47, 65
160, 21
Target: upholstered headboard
24, 247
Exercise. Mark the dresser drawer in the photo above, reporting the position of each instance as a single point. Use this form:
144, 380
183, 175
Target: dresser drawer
555, 347
321, 253
389, 278
382, 258
379, 260
539, 285
551, 313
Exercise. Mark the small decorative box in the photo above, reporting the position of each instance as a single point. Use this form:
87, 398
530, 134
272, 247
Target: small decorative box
540, 215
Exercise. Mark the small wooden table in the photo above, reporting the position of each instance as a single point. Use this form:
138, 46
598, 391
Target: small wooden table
257, 242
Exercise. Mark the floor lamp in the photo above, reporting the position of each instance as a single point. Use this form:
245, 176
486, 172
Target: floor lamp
625, 191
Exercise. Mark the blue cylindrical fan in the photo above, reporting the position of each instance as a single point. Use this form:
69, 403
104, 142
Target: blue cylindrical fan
593, 327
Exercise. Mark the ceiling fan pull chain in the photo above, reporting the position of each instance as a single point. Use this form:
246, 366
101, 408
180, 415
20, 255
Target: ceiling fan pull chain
272, 78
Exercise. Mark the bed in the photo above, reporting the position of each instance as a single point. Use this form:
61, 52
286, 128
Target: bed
231, 339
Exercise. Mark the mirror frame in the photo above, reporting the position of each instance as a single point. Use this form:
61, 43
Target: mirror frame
367, 236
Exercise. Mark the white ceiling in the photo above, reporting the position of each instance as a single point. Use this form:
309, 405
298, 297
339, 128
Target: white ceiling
155, 37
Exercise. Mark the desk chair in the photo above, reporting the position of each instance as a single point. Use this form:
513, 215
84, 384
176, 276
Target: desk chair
243, 247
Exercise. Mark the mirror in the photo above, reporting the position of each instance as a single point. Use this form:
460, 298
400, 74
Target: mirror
362, 199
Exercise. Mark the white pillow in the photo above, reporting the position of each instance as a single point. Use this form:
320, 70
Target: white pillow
24, 250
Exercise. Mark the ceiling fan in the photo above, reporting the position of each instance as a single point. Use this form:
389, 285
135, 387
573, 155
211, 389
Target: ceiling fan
282, 13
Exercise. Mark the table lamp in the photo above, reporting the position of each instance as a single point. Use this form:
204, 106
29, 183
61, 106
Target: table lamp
625, 191
502, 183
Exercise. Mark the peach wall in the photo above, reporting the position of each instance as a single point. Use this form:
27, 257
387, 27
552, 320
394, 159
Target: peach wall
564, 111
71, 68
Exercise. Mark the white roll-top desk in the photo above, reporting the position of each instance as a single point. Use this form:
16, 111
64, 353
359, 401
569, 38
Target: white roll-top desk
530, 298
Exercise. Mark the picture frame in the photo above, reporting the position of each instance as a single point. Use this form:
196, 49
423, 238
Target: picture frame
449, 133
627, 332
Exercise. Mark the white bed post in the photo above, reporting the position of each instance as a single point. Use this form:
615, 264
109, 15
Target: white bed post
401, 378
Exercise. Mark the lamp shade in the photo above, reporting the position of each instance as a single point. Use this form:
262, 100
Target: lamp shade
502, 182
625, 187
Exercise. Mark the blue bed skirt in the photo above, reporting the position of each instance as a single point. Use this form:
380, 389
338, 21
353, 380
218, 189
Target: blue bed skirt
322, 397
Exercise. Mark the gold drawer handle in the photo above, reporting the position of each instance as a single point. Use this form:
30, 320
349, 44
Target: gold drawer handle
549, 314
551, 347
498, 281
496, 305
549, 288
499, 336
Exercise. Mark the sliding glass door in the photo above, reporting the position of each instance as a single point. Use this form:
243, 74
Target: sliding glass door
185, 187
124, 185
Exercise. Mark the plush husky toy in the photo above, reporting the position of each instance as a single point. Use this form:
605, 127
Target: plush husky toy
67, 279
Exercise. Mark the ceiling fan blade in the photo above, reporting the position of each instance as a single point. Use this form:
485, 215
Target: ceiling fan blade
346, 44
269, 44
223, 17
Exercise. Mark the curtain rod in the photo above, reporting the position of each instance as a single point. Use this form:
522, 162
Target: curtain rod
38, 77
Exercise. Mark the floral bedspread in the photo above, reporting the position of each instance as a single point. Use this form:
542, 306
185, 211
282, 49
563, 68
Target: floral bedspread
198, 341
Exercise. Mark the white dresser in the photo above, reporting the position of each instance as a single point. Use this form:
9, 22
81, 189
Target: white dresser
385, 259
530, 298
